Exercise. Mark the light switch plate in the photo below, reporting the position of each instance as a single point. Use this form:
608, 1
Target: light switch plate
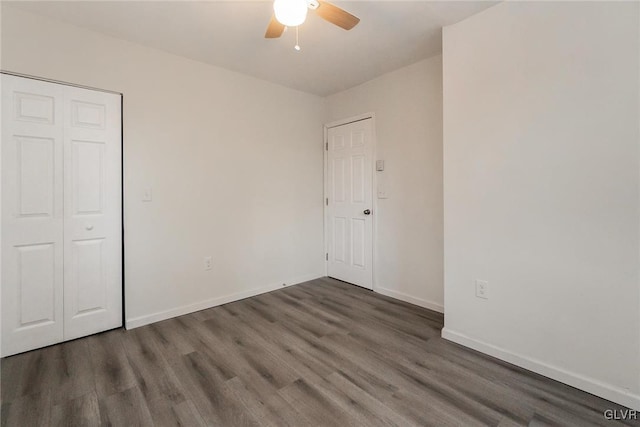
379, 165
147, 195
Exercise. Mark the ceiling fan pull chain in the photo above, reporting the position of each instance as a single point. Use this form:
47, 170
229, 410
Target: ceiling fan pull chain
297, 46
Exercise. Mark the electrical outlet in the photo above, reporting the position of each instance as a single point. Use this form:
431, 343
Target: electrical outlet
482, 289
208, 263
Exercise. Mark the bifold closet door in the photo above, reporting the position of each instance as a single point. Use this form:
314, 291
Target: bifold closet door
32, 214
92, 212
61, 213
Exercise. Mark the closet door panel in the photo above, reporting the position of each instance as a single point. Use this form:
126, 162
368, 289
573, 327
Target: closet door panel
93, 226
32, 214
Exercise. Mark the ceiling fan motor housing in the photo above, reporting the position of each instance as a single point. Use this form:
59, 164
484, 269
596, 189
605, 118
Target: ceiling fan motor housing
291, 13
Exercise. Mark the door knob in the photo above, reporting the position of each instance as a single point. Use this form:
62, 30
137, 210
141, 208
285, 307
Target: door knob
89, 227
367, 212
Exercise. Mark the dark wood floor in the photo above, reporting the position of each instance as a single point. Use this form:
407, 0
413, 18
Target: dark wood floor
319, 353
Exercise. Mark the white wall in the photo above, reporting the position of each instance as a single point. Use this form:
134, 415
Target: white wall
408, 118
235, 165
541, 188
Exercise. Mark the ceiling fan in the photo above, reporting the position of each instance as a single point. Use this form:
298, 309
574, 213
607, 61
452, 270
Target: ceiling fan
291, 13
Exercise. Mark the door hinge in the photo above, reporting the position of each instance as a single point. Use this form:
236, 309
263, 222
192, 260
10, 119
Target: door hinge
326, 146
327, 201
326, 256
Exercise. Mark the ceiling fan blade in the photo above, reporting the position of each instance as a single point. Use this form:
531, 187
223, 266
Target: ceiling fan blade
336, 16
275, 29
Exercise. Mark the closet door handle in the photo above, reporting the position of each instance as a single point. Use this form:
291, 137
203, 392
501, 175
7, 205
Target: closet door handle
89, 227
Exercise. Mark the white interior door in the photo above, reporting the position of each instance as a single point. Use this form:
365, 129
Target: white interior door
32, 214
61, 213
92, 212
349, 207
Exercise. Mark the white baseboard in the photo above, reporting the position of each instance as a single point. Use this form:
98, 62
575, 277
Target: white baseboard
410, 299
213, 302
590, 385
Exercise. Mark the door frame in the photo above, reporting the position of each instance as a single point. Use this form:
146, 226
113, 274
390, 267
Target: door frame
374, 185
122, 172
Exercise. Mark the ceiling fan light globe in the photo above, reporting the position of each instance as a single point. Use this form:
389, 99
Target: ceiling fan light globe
290, 12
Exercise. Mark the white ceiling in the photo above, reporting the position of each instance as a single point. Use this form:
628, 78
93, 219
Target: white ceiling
230, 34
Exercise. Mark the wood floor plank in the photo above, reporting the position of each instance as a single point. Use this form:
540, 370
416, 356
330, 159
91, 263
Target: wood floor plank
235, 355
125, 408
322, 353
13, 375
363, 408
318, 408
271, 410
205, 342
112, 372
508, 422
169, 337
81, 411
430, 395
166, 413
525, 386
72, 372
261, 361
212, 396
153, 375
36, 372
292, 314
431, 376
294, 352
32, 409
